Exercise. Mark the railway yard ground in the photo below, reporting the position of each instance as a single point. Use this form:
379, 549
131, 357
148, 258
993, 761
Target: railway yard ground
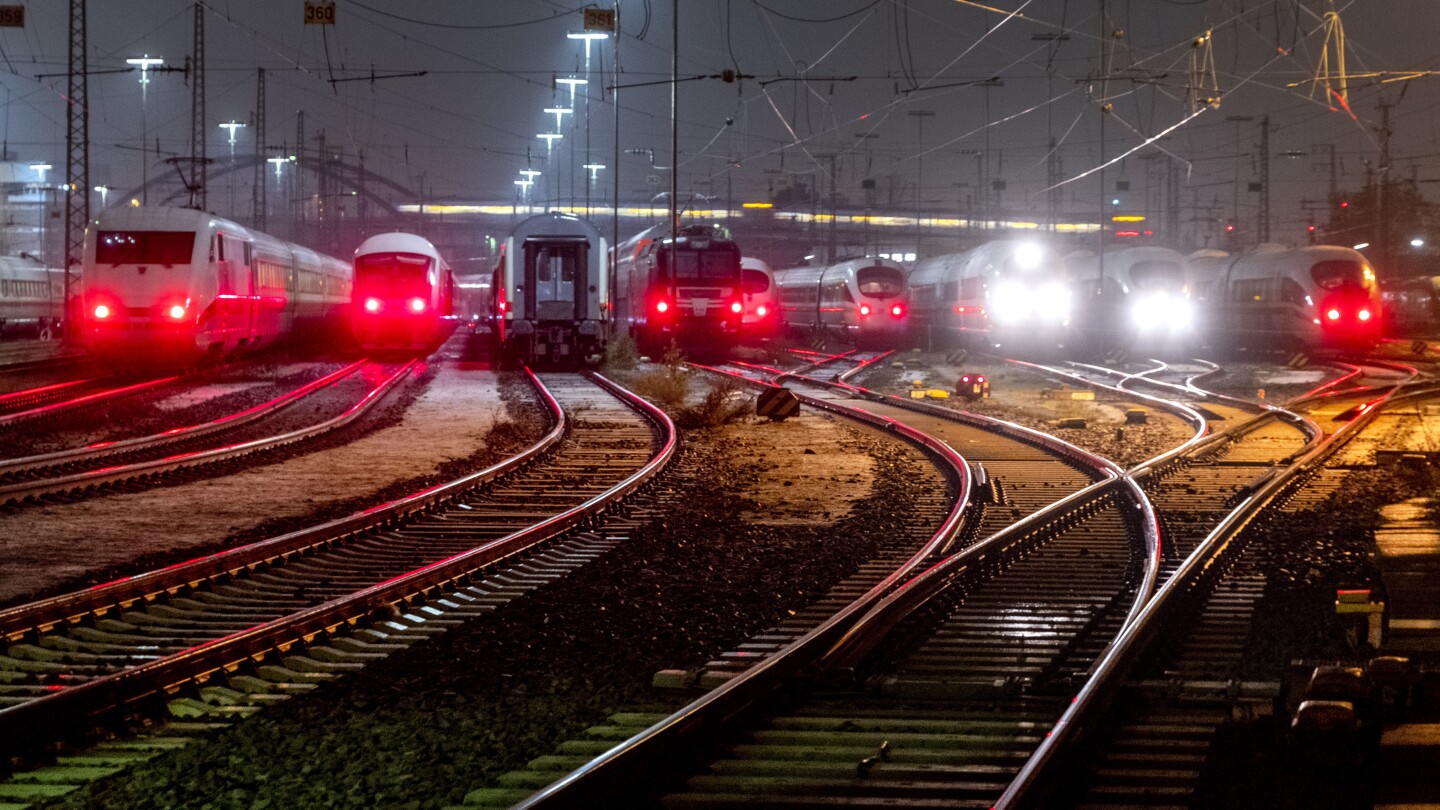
756, 520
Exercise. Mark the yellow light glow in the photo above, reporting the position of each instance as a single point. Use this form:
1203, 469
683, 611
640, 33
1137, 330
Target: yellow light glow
1128, 218
759, 205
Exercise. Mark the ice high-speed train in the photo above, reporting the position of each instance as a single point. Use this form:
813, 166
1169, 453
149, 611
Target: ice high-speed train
1323, 296
761, 298
1130, 296
550, 292
32, 296
167, 284
404, 293
862, 300
1007, 292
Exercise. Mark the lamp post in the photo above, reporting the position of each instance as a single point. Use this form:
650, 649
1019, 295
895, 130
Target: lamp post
145, 63
530, 175
550, 138
919, 116
41, 168
594, 169
230, 127
572, 82
104, 192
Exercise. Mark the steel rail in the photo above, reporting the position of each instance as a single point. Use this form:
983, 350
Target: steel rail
83, 401
1081, 717
41, 720
228, 422
29, 490
737, 694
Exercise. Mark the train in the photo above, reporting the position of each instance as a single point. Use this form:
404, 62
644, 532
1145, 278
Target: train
861, 300
32, 296
550, 292
1317, 297
403, 294
682, 287
164, 284
1008, 292
761, 317
1127, 296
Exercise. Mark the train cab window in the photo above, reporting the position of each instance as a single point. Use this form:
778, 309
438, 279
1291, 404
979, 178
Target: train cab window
879, 281
1157, 275
1292, 293
144, 247
1251, 291
1338, 273
711, 264
754, 282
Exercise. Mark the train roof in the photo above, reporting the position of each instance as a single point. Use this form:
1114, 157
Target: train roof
848, 267
397, 242
556, 223
161, 218
752, 263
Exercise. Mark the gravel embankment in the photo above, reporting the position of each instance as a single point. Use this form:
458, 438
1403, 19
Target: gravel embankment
422, 728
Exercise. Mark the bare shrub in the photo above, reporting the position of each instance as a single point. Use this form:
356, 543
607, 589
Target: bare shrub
724, 403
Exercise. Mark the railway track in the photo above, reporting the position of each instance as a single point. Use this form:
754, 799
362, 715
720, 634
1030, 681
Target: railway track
109, 465
940, 694
225, 634
59, 399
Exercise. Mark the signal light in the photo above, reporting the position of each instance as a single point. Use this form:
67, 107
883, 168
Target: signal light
177, 312
1344, 203
101, 312
864, 309
1310, 227
373, 305
1229, 228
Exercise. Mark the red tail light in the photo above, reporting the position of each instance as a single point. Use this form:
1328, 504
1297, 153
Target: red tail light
417, 305
1333, 314
864, 309
898, 311
762, 311
662, 306
373, 305
176, 311
1363, 314
102, 312
737, 307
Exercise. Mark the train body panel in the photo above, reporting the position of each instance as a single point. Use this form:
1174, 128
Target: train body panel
761, 297
31, 295
1131, 296
404, 293
1316, 297
862, 300
1007, 292
697, 303
173, 283
550, 291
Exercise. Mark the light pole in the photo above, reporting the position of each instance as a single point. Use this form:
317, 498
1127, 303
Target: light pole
40, 190
550, 138
230, 127
594, 169
145, 63
1237, 120
919, 116
572, 82
530, 175
104, 191
588, 37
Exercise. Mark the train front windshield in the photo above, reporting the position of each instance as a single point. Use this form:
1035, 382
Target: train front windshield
1340, 273
880, 282
393, 275
711, 265
144, 247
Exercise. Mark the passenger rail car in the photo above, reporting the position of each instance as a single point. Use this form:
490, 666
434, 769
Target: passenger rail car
31, 296
170, 284
550, 292
1131, 296
1006, 292
861, 300
761, 299
1308, 298
684, 288
404, 293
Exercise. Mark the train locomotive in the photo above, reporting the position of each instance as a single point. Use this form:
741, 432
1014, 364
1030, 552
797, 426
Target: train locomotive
683, 288
1126, 296
403, 295
172, 284
1006, 292
1317, 297
761, 299
861, 300
550, 293
31, 296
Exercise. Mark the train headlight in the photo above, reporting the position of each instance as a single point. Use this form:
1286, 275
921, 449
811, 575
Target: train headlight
1053, 303
373, 305
102, 312
176, 312
1008, 303
1027, 255
417, 305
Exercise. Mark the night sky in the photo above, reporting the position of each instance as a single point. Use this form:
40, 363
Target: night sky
825, 74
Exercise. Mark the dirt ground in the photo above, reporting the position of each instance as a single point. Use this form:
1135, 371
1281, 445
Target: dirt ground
46, 545
801, 461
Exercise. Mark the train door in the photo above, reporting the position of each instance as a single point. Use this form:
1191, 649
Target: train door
555, 273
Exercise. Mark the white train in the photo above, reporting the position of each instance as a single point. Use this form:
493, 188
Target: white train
1137, 295
550, 291
1323, 296
404, 293
32, 296
761, 298
1008, 292
861, 300
163, 284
